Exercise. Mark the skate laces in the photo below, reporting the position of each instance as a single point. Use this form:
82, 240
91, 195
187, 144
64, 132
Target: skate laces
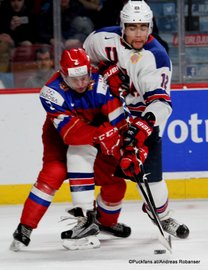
25, 231
79, 221
170, 225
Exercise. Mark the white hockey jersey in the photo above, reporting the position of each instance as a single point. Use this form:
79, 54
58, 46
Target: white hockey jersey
149, 71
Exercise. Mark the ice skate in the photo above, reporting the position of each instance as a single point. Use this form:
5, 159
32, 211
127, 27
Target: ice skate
21, 237
170, 225
174, 228
83, 234
119, 230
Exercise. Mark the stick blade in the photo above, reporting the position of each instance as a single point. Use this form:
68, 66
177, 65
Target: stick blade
165, 242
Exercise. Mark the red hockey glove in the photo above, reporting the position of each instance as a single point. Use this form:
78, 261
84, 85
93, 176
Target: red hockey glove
109, 139
140, 129
115, 78
131, 161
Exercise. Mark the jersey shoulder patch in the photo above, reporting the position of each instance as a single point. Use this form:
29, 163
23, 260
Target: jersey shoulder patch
51, 95
101, 86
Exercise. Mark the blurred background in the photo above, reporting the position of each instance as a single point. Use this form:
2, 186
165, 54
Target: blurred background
33, 34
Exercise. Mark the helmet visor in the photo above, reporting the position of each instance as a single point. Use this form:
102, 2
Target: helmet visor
78, 83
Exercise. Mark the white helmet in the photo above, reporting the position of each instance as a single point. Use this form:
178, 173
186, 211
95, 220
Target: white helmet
136, 12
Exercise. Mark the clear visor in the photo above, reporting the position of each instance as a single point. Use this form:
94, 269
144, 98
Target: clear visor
78, 83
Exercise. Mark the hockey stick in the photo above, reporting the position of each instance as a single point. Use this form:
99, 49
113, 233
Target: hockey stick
151, 205
146, 194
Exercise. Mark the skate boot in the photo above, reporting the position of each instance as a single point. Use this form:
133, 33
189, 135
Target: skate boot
21, 237
83, 234
172, 227
119, 229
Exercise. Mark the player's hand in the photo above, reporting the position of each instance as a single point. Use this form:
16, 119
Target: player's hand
109, 139
131, 160
140, 130
115, 78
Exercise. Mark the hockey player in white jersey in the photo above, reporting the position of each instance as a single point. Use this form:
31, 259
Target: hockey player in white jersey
132, 49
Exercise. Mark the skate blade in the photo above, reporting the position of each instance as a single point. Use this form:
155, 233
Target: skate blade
83, 243
16, 245
166, 242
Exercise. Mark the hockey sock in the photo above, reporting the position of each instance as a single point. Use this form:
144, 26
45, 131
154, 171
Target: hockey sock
160, 195
108, 213
37, 203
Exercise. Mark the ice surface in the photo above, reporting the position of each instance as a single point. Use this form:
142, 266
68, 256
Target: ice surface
136, 252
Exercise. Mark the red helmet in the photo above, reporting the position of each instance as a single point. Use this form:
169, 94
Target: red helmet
74, 62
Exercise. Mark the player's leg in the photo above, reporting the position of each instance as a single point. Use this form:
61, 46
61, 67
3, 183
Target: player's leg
48, 182
159, 190
80, 167
109, 201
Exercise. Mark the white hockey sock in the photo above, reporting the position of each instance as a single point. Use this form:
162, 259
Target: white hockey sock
80, 167
160, 195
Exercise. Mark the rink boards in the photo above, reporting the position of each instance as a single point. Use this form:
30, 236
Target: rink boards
185, 146
178, 189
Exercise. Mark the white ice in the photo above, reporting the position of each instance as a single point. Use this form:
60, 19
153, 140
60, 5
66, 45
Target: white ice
136, 252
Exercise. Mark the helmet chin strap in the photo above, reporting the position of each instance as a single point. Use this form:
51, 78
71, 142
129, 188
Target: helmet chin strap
126, 43
123, 39
130, 47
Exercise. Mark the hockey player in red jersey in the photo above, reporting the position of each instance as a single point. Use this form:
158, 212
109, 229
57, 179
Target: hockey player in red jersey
134, 60
84, 120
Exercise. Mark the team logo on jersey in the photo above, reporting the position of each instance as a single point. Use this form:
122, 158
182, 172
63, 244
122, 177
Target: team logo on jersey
136, 57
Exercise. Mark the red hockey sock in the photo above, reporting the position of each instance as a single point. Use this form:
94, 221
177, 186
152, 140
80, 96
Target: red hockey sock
36, 205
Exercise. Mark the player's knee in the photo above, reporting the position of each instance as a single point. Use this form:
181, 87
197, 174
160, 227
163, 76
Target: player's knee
53, 173
45, 188
114, 192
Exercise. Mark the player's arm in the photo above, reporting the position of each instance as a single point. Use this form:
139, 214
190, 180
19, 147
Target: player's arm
153, 84
95, 48
73, 129
110, 137
111, 106
152, 78
157, 96
116, 79
104, 55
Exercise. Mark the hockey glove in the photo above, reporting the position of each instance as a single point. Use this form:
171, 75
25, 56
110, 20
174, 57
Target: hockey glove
115, 78
109, 139
140, 130
131, 161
